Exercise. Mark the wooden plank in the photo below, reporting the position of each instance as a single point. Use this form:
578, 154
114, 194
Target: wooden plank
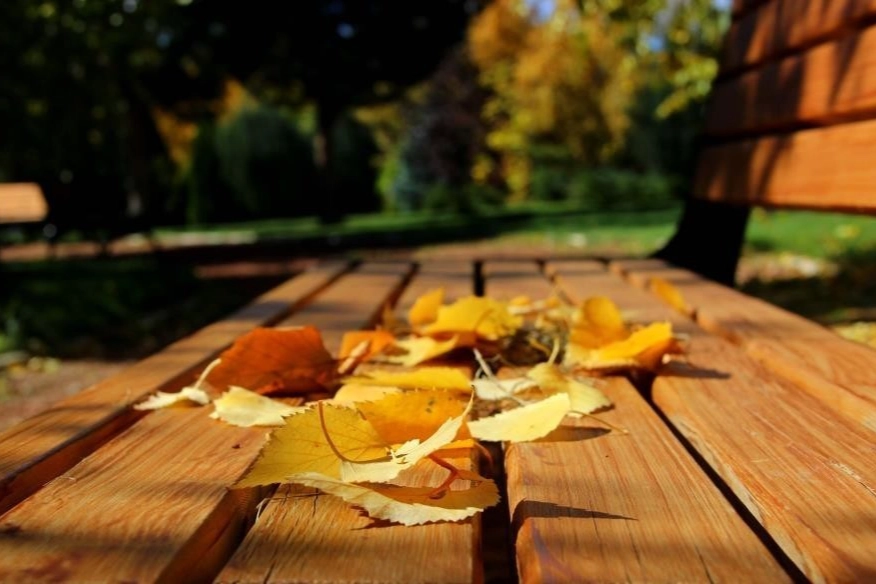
22, 202
831, 83
801, 470
830, 368
780, 27
43, 447
341, 544
608, 507
154, 503
827, 168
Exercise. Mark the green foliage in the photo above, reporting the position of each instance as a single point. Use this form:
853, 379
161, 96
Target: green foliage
605, 189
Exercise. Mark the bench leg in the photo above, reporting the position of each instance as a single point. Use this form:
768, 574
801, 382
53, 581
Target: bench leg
708, 240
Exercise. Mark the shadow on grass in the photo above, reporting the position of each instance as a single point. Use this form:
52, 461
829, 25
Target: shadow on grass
120, 308
844, 296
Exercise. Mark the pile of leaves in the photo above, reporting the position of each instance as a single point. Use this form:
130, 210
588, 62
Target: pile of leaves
359, 425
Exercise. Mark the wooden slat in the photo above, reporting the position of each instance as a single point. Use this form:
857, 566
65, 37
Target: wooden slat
833, 82
153, 504
829, 169
779, 27
43, 447
22, 203
801, 470
833, 369
610, 507
341, 544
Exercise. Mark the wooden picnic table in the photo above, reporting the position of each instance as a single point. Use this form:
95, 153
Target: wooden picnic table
753, 461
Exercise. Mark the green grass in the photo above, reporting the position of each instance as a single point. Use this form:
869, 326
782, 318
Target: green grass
815, 234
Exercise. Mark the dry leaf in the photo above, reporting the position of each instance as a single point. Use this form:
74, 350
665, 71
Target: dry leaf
377, 341
491, 389
353, 393
421, 349
301, 446
241, 407
669, 294
410, 505
487, 318
585, 399
273, 361
597, 323
644, 348
525, 423
163, 400
421, 378
425, 308
412, 414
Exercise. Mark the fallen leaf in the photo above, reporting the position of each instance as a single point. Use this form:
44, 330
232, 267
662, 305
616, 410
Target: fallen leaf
425, 308
241, 407
162, 400
487, 318
585, 399
644, 348
377, 341
411, 415
491, 389
669, 294
284, 361
525, 423
353, 393
421, 349
302, 446
421, 378
410, 505
597, 323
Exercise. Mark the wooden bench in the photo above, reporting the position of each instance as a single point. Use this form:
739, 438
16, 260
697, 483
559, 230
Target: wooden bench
21, 204
752, 463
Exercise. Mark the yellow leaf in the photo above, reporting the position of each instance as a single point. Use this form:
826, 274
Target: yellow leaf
524, 423
241, 407
598, 322
421, 378
421, 349
164, 400
412, 414
491, 389
301, 446
585, 399
425, 308
644, 348
669, 294
354, 392
489, 319
410, 505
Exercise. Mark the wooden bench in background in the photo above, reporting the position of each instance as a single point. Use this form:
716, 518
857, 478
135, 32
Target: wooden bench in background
753, 463
22, 204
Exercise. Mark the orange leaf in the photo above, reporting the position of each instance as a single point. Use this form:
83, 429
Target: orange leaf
378, 340
271, 361
669, 294
425, 308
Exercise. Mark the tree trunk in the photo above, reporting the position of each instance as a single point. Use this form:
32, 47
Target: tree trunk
329, 205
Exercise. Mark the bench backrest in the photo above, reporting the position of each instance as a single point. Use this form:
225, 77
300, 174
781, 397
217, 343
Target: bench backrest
792, 118
22, 203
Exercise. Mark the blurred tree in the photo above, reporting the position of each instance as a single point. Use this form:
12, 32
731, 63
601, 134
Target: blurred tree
336, 53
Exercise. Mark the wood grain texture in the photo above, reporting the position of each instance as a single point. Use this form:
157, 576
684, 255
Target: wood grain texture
830, 83
778, 27
803, 471
597, 506
300, 537
820, 362
154, 504
827, 168
43, 447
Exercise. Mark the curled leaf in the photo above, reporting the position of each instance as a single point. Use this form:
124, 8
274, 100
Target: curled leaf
585, 399
425, 308
411, 415
410, 505
376, 342
353, 393
671, 295
487, 318
492, 389
421, 349
241, 407
164, 400
525, 423
644, 348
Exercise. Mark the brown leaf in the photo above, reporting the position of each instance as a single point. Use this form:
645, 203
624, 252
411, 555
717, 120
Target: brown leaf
276, 361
